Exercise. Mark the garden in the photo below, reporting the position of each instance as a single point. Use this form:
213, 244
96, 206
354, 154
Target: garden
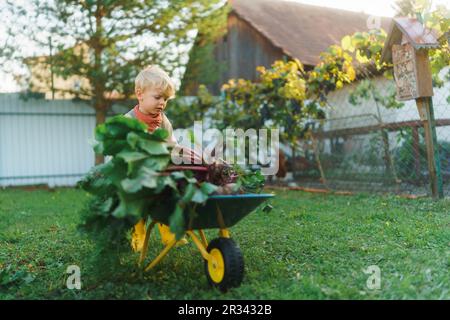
313, 246
353, 203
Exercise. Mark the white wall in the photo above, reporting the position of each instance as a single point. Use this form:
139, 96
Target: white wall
340, 107
44, 141
341, 114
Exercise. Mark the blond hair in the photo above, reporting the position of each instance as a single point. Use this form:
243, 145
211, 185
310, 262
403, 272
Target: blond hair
155, 77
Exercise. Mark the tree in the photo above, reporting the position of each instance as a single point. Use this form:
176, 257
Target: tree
202, 67
107, 42
405, 8
437, 19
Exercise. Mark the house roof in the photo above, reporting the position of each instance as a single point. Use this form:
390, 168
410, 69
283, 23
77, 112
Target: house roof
301, 31
411, 30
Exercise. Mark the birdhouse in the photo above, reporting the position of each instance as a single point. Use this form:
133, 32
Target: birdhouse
407, 46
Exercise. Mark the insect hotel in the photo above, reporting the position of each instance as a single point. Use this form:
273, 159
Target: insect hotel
406, 47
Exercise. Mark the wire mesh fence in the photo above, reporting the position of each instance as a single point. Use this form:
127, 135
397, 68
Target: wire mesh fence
369, 147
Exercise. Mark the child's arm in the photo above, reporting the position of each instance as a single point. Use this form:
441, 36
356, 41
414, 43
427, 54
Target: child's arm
172, 141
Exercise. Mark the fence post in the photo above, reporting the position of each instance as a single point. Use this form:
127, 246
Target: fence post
425, 107
319, 163
416, 151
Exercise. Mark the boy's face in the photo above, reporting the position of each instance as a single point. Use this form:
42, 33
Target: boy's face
151, 100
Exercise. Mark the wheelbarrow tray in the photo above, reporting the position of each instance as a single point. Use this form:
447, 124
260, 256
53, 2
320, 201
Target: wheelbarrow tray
219, 211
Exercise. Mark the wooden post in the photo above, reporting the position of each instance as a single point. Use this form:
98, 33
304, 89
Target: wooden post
385, 139
319, 163
425, 107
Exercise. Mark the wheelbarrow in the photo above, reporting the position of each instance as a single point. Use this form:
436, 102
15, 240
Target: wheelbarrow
223, 260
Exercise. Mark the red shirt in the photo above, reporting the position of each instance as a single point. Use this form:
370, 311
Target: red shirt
152, 121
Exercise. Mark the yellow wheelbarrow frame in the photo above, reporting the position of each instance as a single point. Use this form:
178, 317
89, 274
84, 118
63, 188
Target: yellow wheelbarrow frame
215, 260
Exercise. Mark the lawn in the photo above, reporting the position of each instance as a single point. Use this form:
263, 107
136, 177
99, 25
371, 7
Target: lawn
310, 246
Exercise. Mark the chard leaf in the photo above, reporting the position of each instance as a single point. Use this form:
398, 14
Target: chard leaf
126, 122
111, 147
145, 178
208, 188
160, 134
199, 196
188, 193
131, 156
100, 132
158, 163
153, 147
132, 139
177, 222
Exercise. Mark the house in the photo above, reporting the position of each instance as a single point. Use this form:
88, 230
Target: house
262, 31
43, 80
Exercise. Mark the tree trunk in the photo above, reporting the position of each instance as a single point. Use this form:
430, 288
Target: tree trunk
319, 163
98, 82
100, 117
294, 167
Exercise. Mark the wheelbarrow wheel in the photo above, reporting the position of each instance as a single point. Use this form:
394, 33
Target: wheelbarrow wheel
227, 268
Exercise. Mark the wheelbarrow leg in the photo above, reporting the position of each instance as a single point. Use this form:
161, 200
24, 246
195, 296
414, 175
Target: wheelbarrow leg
224, 233
162, 254
203, 237
200, 245
138, 236
146, 239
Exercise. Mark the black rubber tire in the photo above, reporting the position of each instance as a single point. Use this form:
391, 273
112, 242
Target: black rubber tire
233, 264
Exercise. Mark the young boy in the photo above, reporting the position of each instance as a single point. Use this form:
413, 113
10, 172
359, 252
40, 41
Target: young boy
153, 88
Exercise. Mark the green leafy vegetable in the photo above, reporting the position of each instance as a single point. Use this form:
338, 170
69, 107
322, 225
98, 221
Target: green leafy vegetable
133, 183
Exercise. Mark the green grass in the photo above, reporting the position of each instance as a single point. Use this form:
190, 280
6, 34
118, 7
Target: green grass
310, 246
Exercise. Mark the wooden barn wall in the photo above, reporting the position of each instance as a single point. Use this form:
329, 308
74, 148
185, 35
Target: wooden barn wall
242, 49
